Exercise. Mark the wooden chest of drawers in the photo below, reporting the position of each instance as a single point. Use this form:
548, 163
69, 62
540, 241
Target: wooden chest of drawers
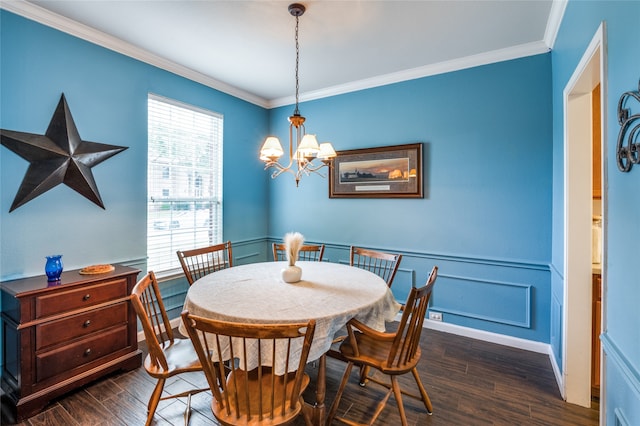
57, 337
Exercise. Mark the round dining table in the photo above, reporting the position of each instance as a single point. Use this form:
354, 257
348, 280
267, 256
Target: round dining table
330, 293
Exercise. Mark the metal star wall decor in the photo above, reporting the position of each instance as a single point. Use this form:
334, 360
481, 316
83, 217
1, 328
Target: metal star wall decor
58, 156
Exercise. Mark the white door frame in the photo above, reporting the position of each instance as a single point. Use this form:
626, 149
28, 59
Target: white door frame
578, 206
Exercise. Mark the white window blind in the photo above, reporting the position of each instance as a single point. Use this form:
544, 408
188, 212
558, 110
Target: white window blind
184, 174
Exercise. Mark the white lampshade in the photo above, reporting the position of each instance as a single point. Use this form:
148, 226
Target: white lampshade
326, 151
271, 149
308, 146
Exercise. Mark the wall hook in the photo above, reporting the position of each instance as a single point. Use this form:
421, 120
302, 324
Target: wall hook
628, 147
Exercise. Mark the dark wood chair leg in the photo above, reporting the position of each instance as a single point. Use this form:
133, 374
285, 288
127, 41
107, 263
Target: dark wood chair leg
336, 401
364, 373
397, 393
154, 400
423, 392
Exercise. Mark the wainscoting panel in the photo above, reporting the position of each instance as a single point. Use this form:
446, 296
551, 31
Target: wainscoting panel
555, 332
173, 294
623, 405
476, 298
557, 307
251, 251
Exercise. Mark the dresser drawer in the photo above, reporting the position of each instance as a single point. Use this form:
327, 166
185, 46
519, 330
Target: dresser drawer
75, 326
52, 363
66, 301
58, 338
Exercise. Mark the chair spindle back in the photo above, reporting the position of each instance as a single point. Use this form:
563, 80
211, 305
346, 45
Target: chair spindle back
202, 261
147, 302
407, 341
244, 393
308, 252
383, 264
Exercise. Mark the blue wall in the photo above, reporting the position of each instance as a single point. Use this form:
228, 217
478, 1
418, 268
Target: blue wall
621, 339
486, 215
107, 95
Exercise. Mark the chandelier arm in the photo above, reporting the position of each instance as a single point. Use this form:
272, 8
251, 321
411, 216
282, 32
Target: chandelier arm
311, 167
316, 171
281, 170
306, 167
277, 165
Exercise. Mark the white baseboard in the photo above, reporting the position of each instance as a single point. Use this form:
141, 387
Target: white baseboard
557, 373
487, 336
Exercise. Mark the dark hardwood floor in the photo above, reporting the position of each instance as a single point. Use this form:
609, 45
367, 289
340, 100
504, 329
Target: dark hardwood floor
470, 382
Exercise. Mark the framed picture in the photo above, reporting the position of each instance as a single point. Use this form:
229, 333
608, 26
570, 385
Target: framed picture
384, 172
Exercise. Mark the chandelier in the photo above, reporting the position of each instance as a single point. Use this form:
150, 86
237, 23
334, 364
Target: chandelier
303, 147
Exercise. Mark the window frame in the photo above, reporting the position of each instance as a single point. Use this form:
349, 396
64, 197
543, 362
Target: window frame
173, 198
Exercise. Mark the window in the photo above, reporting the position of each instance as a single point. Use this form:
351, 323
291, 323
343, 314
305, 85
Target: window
184, 174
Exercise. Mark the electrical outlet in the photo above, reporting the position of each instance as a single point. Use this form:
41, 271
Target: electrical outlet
435, 316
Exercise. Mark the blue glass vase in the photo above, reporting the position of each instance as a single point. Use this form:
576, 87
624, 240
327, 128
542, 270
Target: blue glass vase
53, 267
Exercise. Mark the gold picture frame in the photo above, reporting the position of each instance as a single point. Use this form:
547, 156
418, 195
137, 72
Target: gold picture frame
383, 172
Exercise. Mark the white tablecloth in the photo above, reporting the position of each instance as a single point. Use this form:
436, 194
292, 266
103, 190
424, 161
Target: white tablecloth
330, 293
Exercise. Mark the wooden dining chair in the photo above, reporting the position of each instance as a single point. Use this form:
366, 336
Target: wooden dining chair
311, 252
253, 396
202, 261
383, 264
392, 354
168, 355
380, 263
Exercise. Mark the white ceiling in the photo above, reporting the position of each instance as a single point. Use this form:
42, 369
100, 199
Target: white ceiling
247, 48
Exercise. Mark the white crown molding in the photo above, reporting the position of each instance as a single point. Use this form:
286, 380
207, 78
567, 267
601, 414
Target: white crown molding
69, 26
515, 52
84, 32
553, 24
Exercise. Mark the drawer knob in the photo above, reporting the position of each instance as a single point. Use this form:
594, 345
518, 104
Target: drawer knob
87, 323
87, 352
86, 297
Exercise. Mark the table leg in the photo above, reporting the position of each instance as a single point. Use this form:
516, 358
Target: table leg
317, 410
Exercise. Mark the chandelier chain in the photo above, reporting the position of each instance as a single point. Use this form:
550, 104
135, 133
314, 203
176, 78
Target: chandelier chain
297, 111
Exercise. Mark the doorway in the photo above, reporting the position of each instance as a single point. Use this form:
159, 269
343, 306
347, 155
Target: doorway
578, 219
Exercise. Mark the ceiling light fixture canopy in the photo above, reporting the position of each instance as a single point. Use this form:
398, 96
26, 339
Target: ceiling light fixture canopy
303, 147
